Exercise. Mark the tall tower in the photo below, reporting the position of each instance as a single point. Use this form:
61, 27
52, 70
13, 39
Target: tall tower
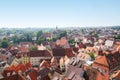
56, 28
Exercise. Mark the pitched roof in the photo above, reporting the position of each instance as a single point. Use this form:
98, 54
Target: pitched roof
44, 64
43, 53
20, 67
91, 73
69, 52
58, 52
105, 61
41, 47
101, 60
23, 49
63, 43
47, 35
5, 72
12, 48
75, 49
28, 65
54, 60
33, 74
14, 77
62, 52
44, 72
74, 73
81, 45
102, 76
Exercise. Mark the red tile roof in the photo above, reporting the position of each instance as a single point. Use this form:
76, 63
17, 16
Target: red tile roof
33, 74
21, 67
13, 77
47, 35
69, 52
43, 53
81, 45
94, 74
28, 65
12, 48
75, 49
23, 49
5, 72
108, 61
63, 42
62, 52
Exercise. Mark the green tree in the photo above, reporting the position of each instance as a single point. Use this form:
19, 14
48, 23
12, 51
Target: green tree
39, 33
29, 38
117, 37
40, 40
63, 34
4, 43
92, 55
54, 39
33, 48
71, 41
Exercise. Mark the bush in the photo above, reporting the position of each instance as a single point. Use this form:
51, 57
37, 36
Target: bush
33, 48
92, 55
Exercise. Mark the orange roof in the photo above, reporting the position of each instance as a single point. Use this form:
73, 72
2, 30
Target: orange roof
21, 67
4, 73
118, 43
101, 61
95, 74
28, 65
14, 77
62, 42
23, 49
12, 67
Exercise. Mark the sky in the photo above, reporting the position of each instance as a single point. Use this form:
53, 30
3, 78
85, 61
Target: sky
61, 13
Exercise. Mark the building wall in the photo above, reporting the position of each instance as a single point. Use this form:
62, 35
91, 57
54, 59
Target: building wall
25, 59
36, 60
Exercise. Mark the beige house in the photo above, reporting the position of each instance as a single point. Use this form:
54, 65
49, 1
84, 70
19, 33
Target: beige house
84, 57
25, 59
37, 56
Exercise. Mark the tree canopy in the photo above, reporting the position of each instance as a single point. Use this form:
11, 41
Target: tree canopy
33, 48
39, 33
40, 40
4, 43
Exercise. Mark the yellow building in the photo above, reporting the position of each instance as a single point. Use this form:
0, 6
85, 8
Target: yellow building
25, 59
